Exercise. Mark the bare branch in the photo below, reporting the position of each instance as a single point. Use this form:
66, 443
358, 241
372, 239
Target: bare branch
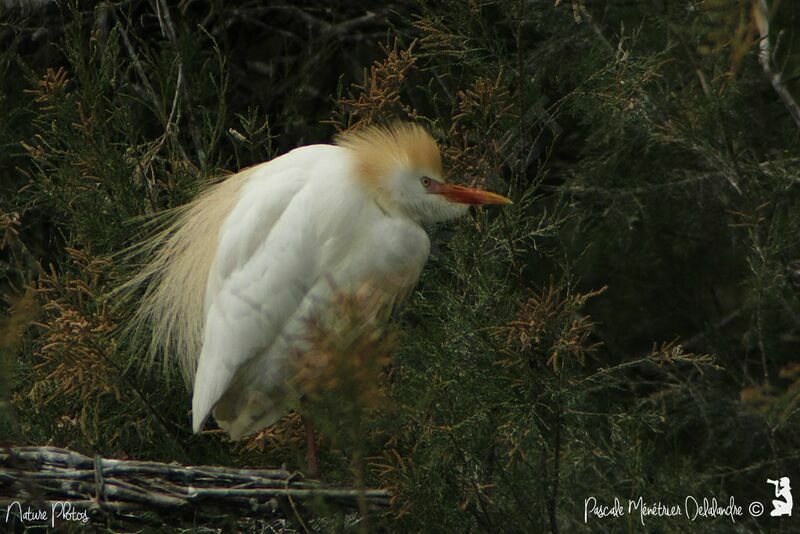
165, 20
50, 474
761, 14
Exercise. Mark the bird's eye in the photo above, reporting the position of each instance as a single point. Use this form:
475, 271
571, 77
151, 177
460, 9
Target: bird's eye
425, 181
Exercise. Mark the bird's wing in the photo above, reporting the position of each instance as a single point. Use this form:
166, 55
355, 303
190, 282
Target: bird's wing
243, 271
323, 240
262, 202
380, 267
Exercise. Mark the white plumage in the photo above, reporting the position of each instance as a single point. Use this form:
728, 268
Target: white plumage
301, 229
299, 233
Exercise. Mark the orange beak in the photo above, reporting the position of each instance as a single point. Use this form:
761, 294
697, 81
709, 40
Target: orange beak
467, 195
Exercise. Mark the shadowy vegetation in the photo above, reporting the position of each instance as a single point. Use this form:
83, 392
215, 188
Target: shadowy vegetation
629, 327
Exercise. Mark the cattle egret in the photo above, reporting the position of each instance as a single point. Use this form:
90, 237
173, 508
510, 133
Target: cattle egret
236, 277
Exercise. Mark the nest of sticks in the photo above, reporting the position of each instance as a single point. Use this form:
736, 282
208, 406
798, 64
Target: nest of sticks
40, 477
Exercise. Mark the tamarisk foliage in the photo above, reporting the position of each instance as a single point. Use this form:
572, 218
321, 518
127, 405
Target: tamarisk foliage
629, 327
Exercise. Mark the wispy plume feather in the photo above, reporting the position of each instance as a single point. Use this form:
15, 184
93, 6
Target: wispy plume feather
178, 259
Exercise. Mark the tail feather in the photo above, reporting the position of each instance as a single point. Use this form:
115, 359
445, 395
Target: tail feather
174, 278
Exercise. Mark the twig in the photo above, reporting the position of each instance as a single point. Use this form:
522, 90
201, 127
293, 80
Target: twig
136, 63
340, 29
698, 338
761, 15
596, 28
50, 474
134, 388
163, 13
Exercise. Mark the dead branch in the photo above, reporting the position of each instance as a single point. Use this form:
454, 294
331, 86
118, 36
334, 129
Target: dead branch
45, 475
761, 15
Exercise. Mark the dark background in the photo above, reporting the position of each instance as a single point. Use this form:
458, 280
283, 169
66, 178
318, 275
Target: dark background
629, 327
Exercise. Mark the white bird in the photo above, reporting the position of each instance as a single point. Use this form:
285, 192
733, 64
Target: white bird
238, 274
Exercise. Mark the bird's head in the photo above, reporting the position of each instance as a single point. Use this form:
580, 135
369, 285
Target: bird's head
401, 167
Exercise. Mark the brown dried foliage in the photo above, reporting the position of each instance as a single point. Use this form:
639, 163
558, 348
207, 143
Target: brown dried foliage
438, 38
52, 84
394, 471
9, 228
280, 439
672, 352
550, 320
348, 352
732, 26
779, 401
76, 352
472, 154
349, 348
472, 150
47, 92
22, 312
378, 98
